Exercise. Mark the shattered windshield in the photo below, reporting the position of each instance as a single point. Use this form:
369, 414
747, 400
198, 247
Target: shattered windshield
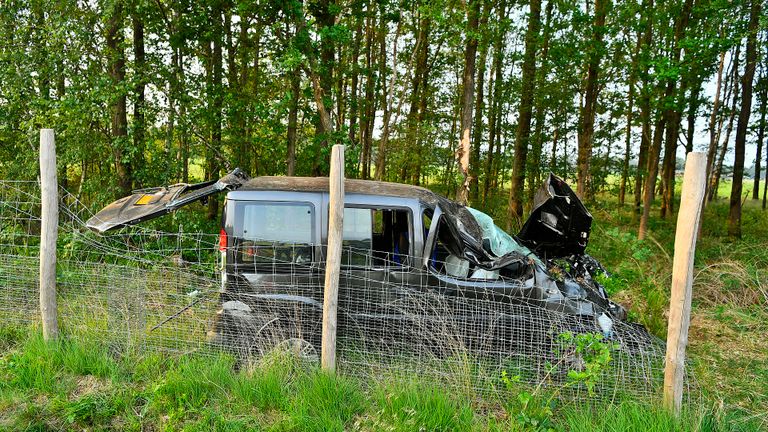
498, 240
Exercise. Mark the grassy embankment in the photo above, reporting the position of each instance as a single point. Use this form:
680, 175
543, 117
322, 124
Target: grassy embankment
81, 385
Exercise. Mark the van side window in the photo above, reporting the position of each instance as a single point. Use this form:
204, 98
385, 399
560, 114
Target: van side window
376, 237
357, 236
274, 232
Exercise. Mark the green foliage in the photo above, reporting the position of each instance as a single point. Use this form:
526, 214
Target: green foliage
324, 402
529, 410
408, 406
36, 366
586, 356
90, 409
592, 351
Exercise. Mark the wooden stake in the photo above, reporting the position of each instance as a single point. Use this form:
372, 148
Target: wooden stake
333, 258
694, 183
49, 197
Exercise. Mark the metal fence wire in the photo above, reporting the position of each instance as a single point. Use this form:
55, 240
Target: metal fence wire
146, 290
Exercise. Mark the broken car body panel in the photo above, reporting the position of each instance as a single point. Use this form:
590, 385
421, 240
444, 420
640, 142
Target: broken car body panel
559, 224
146, 204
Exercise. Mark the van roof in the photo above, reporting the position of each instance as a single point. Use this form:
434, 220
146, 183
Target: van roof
351, 186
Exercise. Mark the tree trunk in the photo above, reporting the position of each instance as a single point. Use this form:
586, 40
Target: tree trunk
763, 96
765, 179
522, 137
139, 103
627, 143
293, 115
718, 169
354, 105
587, 115
234, 84
650, 180
212, 165
693, 108
673, 114
477, 132
171, 124
493, 120
714, 136
317, 91
325, 15
645, 105
367, 118
734, 217
116, 58
387, 99
630, 114
533, 165
730, 92
418, 98
468, 95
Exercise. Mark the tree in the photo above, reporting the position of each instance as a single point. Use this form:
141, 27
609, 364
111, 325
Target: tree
139, 103
293, 116
522, 137
116, 57
587, 114
630, 114
477, 130
467, 97
734, 215
387, 101
645, 101
762, 96
494, 119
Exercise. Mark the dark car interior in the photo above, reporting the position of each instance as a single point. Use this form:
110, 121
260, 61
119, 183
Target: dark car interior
382, 236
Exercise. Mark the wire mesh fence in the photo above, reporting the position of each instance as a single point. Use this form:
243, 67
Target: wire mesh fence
142, 289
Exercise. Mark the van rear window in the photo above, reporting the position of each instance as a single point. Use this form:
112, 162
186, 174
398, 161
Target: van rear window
274, 232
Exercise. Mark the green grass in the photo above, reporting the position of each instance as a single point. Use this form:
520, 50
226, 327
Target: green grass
408, 406
633, 416
75, 385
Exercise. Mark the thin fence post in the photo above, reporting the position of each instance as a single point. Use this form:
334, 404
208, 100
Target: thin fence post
49, 215
688, 219
333, 258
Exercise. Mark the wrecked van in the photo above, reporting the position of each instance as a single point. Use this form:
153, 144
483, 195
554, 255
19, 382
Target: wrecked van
397, 240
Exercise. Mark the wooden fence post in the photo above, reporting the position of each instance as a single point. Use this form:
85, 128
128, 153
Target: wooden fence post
333, 258
688, 218
49, 197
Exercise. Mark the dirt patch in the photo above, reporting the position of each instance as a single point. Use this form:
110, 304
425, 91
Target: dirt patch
89, 384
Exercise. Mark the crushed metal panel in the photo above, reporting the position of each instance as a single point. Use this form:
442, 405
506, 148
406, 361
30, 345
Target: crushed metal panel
559, 224
146, 204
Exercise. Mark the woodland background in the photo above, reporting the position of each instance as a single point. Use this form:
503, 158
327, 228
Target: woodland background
476, 98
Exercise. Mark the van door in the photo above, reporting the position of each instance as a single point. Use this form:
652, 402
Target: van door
146, 204
377, 270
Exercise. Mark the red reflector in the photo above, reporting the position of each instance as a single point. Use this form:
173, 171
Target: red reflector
222, 240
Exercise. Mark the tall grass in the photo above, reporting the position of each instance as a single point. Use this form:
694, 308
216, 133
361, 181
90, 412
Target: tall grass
77, 385
636, 416
408, 406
